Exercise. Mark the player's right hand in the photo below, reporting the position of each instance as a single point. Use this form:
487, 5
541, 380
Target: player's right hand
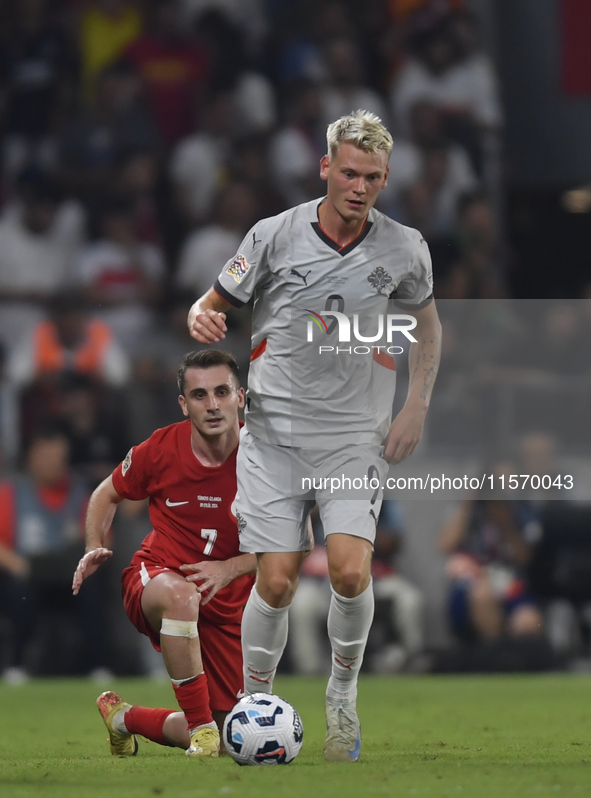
88, 565
208, 326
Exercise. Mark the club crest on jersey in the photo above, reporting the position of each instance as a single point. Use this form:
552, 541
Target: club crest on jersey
380, 279
238, 268
127, 462
241, 520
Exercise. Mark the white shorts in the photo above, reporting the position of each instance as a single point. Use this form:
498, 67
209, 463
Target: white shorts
278, 487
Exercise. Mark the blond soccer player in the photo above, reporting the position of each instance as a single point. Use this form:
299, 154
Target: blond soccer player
324, 410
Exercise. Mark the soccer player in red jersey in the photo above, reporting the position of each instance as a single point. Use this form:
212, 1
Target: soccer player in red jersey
188, 582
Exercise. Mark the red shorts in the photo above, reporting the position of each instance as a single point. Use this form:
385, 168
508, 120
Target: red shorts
221, 648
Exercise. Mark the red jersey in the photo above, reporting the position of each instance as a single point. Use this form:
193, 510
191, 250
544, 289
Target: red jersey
190, 510
171, 71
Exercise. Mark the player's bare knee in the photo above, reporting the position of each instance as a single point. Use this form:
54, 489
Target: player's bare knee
277, 589
181, 601
349, 580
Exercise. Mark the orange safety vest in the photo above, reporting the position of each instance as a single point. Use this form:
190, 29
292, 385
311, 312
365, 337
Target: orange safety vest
50, 355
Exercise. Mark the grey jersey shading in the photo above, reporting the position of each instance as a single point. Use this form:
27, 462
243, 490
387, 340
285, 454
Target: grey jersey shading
297, 395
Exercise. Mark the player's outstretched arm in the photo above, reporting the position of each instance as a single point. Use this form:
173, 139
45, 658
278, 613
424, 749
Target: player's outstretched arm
207, 318
423, 363
99, 517
213, 575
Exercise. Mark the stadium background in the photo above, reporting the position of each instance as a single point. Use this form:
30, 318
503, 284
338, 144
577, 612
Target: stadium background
141, 140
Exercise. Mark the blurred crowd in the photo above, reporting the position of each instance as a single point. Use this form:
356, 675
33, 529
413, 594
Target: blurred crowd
140, 139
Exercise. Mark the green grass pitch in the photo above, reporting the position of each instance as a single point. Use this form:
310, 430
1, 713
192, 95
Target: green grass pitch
427, 736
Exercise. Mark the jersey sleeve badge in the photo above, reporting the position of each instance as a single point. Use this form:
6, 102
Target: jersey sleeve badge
125, 465
238, 268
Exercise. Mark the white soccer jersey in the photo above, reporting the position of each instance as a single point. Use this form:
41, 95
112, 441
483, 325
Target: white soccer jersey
308, 385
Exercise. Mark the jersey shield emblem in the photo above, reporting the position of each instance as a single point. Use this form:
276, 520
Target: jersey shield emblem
380, 279
241, 521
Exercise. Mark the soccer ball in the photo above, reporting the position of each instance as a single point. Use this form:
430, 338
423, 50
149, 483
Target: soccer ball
263, 730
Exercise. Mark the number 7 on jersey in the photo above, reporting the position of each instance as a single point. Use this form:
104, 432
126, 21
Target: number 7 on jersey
210, 536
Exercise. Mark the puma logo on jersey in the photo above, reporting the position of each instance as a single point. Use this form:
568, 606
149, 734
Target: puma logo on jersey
174, 504
303, 277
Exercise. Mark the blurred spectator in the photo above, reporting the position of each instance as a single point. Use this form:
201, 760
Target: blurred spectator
249, 164
402, 639
40, 236
115, 124
446, 70
69, 341
232, 69
94, 421
41, 539
560, 573
173, 68
105, 28
137, 179
296, 149
404, 601
39, 72
546, 369
345, 90
247, 16
489, 543
120, 275
537, 456
308, 612
198, 164
479, 272
306, 27
207, 250
430, 159
9, 418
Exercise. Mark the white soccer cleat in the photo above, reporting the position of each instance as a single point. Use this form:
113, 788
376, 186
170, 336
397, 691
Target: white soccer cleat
343, 732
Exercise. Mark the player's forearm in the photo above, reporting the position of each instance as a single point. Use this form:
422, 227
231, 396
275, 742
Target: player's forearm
423, 362
209, 301
99, 516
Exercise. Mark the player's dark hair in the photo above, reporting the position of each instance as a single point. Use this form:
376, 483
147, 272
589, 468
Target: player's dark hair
206, 359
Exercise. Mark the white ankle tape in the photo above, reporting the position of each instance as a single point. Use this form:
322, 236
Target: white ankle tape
179, 628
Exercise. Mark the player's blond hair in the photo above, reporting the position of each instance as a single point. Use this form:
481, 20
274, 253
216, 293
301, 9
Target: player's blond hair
362, 129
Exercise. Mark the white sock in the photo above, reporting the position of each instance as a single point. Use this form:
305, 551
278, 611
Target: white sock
264, 635
212, 725
119, 722
349, 622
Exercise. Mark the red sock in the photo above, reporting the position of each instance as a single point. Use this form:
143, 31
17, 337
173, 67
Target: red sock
193, 698
148, 722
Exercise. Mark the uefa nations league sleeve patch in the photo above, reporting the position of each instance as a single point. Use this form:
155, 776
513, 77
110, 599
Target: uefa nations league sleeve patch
238, 268
126, 463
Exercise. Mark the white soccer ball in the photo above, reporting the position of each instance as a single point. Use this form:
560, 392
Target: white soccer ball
263, 730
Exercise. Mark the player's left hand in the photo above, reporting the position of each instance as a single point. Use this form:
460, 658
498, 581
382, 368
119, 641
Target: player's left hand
404, 435
212, 576
88, 565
